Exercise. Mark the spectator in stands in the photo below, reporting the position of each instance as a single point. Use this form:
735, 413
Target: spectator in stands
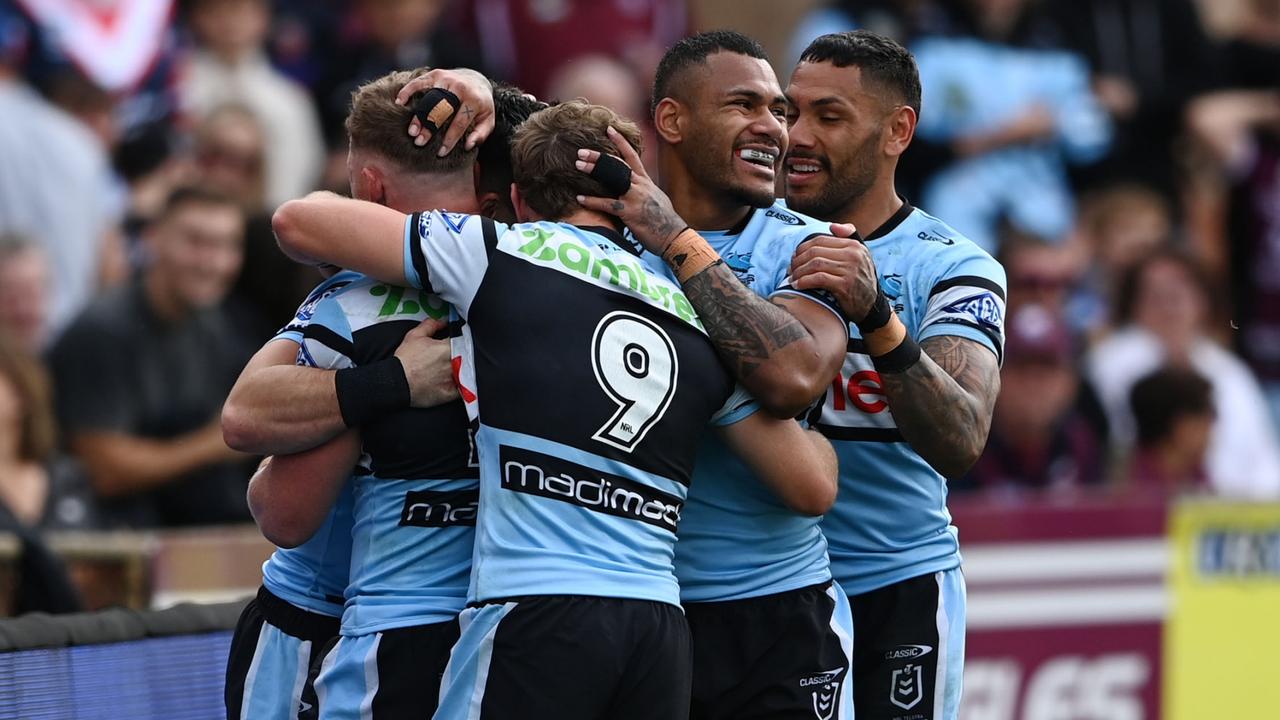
1173, 410
24, 292
525, 43
380, 36
1239, 126
56, 186
1119, 226
602, 80
1165, 306
230, 66
1040, 441
31, 484
142, 374
229, 158
1007, 109
1148, 58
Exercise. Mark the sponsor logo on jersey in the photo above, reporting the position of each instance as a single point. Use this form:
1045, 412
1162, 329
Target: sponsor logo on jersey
436, 509
930, 237
826, 690
550, 248
455, 221
308, 307
534, 473
787, 218
908, 651
408, 301
983, 307
906, 687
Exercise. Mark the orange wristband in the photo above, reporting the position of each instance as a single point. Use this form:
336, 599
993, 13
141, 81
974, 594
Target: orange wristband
689, 254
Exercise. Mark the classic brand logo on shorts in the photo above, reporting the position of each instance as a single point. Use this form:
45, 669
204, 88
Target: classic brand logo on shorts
534, 473
908, 651
434, 508
826, 690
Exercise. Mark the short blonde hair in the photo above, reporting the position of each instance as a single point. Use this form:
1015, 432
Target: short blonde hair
378, 124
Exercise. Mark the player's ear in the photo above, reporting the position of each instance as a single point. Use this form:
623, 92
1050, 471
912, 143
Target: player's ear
375, 190
668, 119
517, 202
899, 130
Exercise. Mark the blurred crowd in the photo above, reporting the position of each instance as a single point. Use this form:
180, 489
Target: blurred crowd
1120, 157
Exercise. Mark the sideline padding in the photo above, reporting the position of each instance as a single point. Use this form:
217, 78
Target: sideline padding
117, 663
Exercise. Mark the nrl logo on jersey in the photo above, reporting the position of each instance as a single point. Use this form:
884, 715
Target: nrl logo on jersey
825, 693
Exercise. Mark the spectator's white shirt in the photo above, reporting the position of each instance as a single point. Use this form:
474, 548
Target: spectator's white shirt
57, 187
295, 149
1243, 459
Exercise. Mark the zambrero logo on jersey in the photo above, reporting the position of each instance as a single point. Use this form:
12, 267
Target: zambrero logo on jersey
535, 473
435, 508
825, 692
547, 247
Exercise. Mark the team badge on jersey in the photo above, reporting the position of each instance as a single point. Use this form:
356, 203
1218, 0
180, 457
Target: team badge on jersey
907, 687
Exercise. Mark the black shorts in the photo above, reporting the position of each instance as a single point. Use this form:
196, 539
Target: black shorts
902, 638
394, 673
570, 658
776, 656
274, 651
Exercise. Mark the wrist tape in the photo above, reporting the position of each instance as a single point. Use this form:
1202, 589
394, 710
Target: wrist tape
370, 391
689, 254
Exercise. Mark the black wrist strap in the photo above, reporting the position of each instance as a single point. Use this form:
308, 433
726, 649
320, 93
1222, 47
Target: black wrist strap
370, 391
878, 316
899, 359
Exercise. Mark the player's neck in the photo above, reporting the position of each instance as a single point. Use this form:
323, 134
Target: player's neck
872, 209
583, 217
433, 192
703, 209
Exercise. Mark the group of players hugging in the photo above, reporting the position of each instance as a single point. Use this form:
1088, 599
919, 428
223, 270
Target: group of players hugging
556, 440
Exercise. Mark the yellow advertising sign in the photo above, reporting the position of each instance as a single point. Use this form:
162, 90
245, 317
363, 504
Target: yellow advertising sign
1224, 628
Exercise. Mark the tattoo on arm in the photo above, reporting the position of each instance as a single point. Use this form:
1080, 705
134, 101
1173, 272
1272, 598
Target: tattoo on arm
745, 328
943, 403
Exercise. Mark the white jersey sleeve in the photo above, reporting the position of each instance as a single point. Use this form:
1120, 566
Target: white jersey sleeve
740, 406
968, 301
448, 254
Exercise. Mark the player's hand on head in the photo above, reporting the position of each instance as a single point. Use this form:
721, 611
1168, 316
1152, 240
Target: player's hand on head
424, 353
475, 107
640, 204
841, 266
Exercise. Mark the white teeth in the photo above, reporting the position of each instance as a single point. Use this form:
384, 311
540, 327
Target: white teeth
757, 156
804, 168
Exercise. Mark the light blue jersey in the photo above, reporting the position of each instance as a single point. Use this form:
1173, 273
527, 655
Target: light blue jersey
591, 378
737, 538
415, 495
890, 520
313, 576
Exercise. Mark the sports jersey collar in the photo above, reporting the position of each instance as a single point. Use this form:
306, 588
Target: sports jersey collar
614, 237
893, 222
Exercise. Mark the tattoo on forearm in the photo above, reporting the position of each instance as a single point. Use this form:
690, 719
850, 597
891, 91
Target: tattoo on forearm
745, 328
943, 403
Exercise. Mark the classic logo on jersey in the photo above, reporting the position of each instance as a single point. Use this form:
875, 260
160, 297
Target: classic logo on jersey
907, 687
826, 691
908, 651
535, 473
930, 237
787, 218
547, 247
436, 509
984, 307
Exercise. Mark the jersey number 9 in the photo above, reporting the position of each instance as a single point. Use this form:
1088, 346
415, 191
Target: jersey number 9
635, 363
